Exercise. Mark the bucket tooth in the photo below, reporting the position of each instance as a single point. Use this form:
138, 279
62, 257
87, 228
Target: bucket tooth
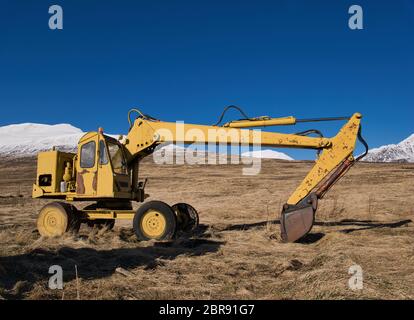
297, 220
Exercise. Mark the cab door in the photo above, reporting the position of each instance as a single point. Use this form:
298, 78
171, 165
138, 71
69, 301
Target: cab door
87, 167
105, 173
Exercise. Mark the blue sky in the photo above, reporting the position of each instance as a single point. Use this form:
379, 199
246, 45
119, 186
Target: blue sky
187, 60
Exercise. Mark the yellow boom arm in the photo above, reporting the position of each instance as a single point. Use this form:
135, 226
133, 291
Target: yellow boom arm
298, 213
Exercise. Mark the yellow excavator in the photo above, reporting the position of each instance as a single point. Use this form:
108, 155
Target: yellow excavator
105, 171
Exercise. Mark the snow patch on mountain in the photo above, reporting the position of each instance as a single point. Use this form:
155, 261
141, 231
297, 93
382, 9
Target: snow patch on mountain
401, 152
170, 148
263, 154
267, 154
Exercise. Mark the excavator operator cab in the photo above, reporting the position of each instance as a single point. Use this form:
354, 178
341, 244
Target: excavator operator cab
101, 169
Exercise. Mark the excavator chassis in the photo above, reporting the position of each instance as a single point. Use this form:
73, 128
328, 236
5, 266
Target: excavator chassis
153, 220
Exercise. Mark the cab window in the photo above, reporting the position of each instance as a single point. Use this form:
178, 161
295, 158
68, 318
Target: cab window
103, 155
117, 158
87, 155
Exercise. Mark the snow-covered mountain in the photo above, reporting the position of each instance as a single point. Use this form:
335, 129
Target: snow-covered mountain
401, 152
27, 139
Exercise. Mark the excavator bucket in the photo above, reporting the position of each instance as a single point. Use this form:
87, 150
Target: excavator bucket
297, 220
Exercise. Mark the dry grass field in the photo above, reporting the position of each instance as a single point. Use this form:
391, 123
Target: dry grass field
366, 219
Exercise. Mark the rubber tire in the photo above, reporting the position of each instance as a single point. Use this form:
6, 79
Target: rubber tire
99, 223
165, 210
69, 214
187, 217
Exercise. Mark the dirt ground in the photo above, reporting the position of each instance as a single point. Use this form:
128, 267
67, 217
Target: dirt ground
365, 220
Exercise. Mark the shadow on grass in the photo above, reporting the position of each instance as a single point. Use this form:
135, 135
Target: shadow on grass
33, 266
363, 224
358, 225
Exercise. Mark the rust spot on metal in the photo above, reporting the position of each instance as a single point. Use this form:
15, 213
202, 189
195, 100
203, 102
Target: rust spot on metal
80, 185
95, 181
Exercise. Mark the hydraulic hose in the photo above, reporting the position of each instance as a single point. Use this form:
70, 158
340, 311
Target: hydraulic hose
226, 109
362, 140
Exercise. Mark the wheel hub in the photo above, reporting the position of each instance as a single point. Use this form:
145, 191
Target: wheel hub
53, 222
153, 224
